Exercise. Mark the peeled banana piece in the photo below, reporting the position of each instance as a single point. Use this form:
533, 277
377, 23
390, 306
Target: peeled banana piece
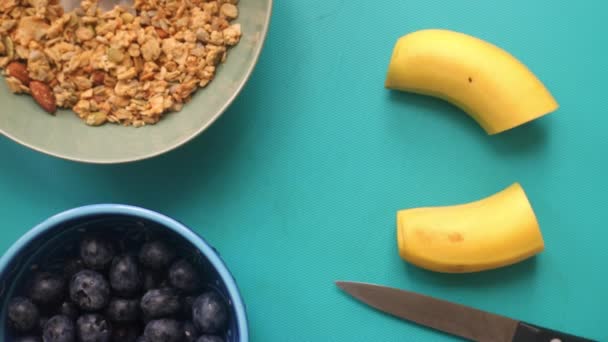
485, 81
496, 231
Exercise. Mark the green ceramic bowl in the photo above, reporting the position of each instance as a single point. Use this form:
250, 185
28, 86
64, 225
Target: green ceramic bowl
66, 136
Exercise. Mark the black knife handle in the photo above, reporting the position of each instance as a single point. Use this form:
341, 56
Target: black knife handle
527, 332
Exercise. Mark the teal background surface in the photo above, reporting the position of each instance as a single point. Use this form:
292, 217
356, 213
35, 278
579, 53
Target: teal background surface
298, 183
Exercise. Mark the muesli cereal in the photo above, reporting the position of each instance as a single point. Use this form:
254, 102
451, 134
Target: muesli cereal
124, 67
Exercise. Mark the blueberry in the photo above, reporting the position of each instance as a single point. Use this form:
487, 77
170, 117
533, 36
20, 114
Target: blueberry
152, 280
96, 252
210, 313
210, 338
23, 315
124, 275
89, 290
122, 310
72, 267
93, 328
59, 329
158, 303
183, 276
69, 309
125, 332
28, 339
47, 289
163, 330
190, 332
156, 255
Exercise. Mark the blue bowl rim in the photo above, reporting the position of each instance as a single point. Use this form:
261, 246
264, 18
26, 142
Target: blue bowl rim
128, 210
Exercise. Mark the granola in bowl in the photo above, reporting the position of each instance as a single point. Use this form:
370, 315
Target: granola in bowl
123, 67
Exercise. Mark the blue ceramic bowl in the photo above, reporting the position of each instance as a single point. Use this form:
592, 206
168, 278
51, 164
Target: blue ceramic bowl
47, 245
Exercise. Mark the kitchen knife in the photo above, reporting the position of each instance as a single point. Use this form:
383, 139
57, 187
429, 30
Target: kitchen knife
452, 318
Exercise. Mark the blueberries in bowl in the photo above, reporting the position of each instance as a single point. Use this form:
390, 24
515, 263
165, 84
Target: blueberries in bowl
153, 280
105, 294
23, 315
190, 332
89, 290
127, 332
93, 328
159, 303
72, 267
69, 309
47, 288
210, 338
125, 277
42, 322
156, 255
183, 276
59, 329
96, 252
123, 310
186, 312
209, 313
163, 330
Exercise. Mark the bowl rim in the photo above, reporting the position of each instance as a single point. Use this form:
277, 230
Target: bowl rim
91, 160
121, 209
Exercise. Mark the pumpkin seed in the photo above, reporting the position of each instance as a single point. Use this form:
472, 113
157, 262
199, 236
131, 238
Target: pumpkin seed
115, 55
127, 17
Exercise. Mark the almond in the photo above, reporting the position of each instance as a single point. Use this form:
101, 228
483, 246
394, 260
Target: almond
162, 34
43, 94
99, 99
98, 78
19, 71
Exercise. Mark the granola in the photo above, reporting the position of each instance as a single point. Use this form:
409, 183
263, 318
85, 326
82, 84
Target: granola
123, 67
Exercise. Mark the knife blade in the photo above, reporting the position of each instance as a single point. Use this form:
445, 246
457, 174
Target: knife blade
452, 318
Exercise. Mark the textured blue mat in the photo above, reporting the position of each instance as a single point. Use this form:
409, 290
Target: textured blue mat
298, 183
